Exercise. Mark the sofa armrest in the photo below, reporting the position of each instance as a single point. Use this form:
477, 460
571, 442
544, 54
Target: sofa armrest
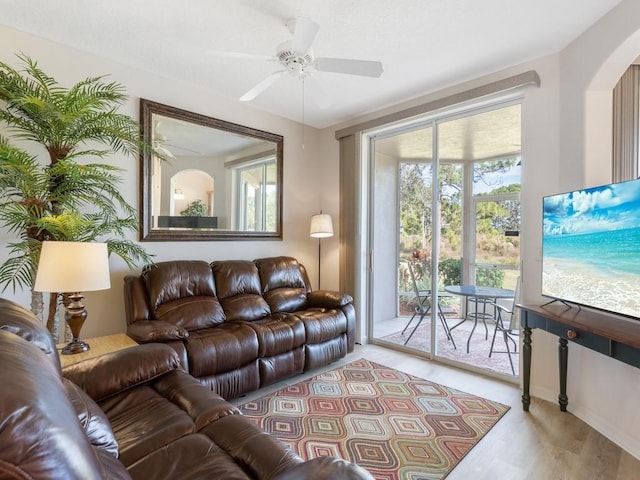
145, 331
321, 468
107, 375
328, 299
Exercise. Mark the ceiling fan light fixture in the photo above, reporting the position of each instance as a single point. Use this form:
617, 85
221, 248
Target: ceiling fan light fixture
296, 58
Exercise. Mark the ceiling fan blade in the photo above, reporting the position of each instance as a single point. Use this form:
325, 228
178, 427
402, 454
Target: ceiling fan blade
165, 152
261, 87
303, 34
366, 68
185, 149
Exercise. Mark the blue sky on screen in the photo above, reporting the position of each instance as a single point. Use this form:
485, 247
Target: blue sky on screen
609, 207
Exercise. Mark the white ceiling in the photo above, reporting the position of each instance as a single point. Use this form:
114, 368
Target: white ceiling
424, 45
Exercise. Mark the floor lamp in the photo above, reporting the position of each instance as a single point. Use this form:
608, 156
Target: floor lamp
321, 227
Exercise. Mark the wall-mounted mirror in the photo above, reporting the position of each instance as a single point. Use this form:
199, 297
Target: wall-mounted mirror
216, 181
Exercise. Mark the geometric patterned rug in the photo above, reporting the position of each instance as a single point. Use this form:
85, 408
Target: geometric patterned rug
396, 425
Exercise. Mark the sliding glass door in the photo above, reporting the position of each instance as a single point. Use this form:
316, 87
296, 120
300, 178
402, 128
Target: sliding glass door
444, 203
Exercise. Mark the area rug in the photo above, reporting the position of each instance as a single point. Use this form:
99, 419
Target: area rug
396, 425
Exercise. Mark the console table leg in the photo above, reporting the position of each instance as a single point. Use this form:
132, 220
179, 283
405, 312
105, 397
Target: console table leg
563, 355
526, 368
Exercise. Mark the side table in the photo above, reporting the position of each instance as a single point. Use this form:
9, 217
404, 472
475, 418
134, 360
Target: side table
99, 346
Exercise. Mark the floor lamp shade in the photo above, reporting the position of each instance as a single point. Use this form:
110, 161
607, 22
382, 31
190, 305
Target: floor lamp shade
72, 268
321, 226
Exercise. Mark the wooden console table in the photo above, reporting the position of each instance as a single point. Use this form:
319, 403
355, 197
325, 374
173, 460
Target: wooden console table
611, 335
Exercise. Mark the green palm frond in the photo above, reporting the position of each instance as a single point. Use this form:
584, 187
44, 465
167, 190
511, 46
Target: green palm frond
131, 253
19, 270
39, 109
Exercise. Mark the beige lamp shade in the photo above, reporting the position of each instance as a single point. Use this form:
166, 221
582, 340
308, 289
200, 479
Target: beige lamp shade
66, 267
321, 226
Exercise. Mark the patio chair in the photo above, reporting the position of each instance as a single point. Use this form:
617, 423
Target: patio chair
423, 307
510, 331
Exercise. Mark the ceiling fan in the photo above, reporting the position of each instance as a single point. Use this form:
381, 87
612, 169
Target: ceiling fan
162, 145
296, 58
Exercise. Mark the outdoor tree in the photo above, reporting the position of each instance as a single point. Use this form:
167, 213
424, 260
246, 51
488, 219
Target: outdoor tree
493, 218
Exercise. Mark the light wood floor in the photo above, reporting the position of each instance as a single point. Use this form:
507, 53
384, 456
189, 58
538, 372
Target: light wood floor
543, 444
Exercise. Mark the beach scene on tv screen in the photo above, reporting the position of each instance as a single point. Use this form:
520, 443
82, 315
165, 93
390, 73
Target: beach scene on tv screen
591, 247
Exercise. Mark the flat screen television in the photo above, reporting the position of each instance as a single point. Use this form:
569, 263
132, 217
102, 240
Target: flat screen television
591, 247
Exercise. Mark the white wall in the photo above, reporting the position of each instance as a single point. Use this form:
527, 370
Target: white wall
303, 193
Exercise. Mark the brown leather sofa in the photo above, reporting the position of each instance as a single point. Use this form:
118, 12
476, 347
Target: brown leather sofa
127, 414
239, 325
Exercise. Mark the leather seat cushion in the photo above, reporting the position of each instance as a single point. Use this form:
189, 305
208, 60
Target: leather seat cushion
192, 457
278, 334
192, 313
239, 291
216, 350
171, 280
143, 421
286, 299
283, 283
323, 324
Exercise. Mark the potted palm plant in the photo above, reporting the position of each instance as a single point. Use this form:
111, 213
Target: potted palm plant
63, 195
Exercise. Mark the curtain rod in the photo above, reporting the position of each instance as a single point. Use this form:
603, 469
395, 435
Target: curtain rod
517, 81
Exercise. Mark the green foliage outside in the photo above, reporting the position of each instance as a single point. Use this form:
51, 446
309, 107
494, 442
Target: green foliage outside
493, 219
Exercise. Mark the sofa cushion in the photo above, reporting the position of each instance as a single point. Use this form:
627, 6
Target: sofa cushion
191, 457
92, 418
182, 293
18, 320
278, 333
191, 313
143, 421
238, 288
284, 283
322, 324
221, 349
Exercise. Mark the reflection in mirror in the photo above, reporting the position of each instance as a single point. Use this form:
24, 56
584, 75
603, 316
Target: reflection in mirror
215, 180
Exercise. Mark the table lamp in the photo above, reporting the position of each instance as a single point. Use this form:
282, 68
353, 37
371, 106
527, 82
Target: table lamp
321, 227
71, 268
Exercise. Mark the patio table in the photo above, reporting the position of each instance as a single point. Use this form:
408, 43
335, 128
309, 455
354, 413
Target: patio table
483, 296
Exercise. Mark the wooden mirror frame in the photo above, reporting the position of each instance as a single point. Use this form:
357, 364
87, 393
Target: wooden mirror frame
147, 232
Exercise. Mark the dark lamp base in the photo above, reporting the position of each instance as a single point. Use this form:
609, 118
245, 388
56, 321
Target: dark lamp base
75, 346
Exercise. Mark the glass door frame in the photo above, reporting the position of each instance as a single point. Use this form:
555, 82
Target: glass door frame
433, 121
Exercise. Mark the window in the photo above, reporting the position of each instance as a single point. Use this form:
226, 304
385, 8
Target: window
256, 195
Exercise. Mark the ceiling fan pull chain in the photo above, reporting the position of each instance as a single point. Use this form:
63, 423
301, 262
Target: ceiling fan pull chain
302, 78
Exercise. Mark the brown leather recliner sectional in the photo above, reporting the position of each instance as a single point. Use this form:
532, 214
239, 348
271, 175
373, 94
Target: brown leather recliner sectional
128, 414
239, 325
